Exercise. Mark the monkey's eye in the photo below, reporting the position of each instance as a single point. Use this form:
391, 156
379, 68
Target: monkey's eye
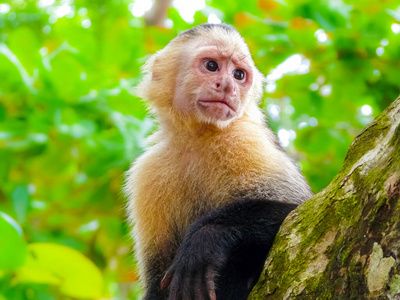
211, 66
238, 74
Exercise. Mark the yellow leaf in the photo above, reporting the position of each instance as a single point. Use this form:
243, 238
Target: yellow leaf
62, 266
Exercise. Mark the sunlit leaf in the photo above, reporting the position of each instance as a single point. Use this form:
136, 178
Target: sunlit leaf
74, 274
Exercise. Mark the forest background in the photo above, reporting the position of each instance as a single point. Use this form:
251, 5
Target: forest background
70, 123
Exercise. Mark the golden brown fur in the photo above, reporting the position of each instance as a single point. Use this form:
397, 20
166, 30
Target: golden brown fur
193, 167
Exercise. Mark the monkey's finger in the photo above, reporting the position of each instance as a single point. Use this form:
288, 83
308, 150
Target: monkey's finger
166, 281
176, 285
200, 289
173, 292
210, 281
187, 287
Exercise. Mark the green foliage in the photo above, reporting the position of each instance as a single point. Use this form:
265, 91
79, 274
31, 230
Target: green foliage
13, 246
70, 123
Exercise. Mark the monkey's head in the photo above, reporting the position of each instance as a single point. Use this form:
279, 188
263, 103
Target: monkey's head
204, 75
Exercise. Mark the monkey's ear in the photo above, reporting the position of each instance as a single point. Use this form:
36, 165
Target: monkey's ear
153, 66
148, 66
156, 71
143, 88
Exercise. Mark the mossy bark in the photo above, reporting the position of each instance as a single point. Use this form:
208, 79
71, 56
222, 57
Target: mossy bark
344, 243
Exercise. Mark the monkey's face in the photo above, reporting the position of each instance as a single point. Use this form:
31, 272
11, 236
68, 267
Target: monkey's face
213, 83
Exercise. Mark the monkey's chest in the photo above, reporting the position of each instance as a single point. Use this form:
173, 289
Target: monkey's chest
212, 180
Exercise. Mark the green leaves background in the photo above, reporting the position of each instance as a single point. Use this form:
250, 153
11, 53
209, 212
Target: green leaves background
70, 123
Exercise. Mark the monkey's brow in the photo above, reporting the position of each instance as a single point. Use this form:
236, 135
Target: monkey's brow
244, 56
221, 51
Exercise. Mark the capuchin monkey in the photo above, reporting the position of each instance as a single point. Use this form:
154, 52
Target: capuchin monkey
207, 198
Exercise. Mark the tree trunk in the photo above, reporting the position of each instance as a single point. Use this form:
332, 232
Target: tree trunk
344, 243
157, 15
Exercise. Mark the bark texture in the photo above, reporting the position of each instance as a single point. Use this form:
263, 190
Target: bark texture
344, 243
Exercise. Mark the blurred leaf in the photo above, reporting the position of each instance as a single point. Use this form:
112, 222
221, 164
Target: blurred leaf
3, 111
12, 245
74, 274
20, 199
27, 80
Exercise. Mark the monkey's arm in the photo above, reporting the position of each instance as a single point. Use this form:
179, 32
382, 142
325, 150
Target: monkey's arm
224, 251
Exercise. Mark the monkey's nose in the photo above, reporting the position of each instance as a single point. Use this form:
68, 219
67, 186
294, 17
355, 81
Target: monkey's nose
226, 85
230, 90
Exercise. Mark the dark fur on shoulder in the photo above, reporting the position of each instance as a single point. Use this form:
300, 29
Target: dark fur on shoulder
229, 245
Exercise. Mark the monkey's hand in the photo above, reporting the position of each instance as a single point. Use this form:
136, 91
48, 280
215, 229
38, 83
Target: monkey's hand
228, 244
231, 241
199, 258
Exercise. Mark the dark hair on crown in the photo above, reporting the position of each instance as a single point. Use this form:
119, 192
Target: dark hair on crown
208, 26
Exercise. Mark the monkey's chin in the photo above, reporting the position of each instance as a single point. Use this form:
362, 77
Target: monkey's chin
216, 112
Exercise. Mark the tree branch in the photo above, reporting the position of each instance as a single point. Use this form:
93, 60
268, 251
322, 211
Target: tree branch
156, 16
344, 242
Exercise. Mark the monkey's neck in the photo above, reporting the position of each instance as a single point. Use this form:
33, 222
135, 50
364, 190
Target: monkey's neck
186, 134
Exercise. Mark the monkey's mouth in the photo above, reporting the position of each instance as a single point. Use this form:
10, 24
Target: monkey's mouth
220, 109
217, 103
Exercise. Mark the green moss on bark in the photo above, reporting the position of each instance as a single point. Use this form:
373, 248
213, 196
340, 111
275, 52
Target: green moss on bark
330, 247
